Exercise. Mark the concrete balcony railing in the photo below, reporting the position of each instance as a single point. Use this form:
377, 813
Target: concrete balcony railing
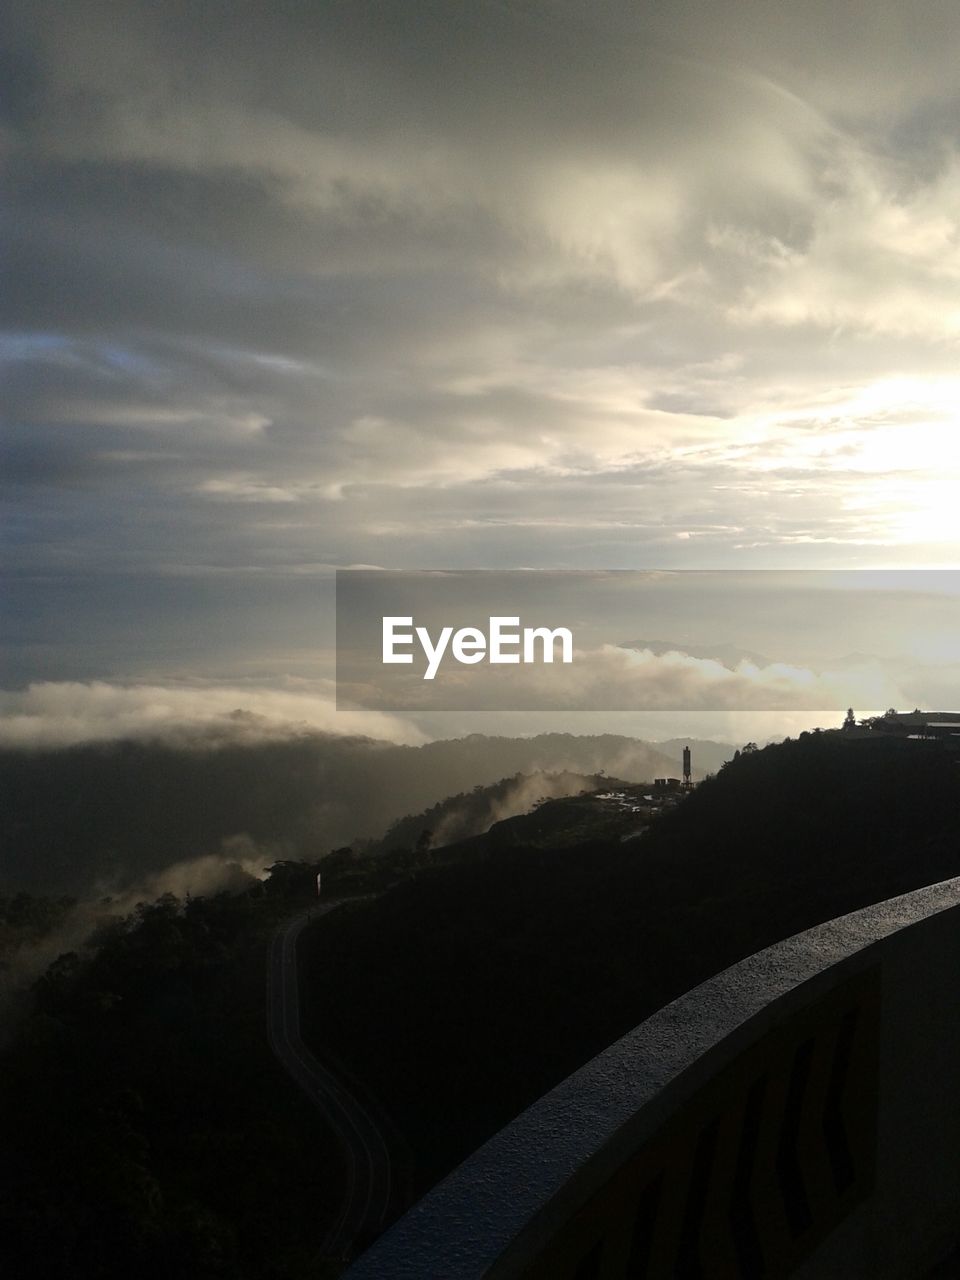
796, 1115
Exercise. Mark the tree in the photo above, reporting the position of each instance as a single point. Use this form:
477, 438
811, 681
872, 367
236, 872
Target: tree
292, 879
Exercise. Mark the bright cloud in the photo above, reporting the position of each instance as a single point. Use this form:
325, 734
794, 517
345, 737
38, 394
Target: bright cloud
57, 714
473, 284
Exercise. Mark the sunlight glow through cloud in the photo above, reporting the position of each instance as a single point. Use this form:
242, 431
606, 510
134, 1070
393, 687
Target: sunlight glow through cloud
478, 285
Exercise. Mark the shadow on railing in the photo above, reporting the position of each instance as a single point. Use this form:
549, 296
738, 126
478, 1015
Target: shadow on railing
796, 1115
755, 1170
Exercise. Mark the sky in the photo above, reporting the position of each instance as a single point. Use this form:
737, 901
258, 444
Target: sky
499, 284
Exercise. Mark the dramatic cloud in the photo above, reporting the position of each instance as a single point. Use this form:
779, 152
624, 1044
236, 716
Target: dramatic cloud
422, 283
615, 679
62, 714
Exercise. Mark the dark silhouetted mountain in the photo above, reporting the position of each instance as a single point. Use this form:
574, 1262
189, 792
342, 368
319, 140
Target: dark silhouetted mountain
471, 813
104, 815
467, 991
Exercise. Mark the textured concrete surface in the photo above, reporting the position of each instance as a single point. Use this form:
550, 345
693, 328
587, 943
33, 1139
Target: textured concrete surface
544, 1166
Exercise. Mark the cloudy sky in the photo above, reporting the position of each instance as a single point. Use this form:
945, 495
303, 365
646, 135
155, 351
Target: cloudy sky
506, 283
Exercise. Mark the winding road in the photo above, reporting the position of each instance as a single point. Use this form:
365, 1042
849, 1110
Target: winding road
369, 1188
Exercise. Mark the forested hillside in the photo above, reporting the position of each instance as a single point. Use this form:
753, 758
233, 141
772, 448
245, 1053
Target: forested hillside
465, 993
102, 816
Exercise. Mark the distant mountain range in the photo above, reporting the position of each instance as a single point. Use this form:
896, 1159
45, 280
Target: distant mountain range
706, 756
105, 815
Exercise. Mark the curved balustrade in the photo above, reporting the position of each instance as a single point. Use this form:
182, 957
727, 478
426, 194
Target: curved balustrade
796, 1115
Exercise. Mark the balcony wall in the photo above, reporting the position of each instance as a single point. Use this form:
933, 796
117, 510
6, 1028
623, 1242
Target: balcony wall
796, 1115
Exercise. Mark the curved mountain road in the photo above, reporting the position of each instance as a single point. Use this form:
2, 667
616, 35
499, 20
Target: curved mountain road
369, 1189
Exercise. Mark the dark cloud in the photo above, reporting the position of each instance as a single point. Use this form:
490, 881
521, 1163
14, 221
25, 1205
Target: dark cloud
288, 285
